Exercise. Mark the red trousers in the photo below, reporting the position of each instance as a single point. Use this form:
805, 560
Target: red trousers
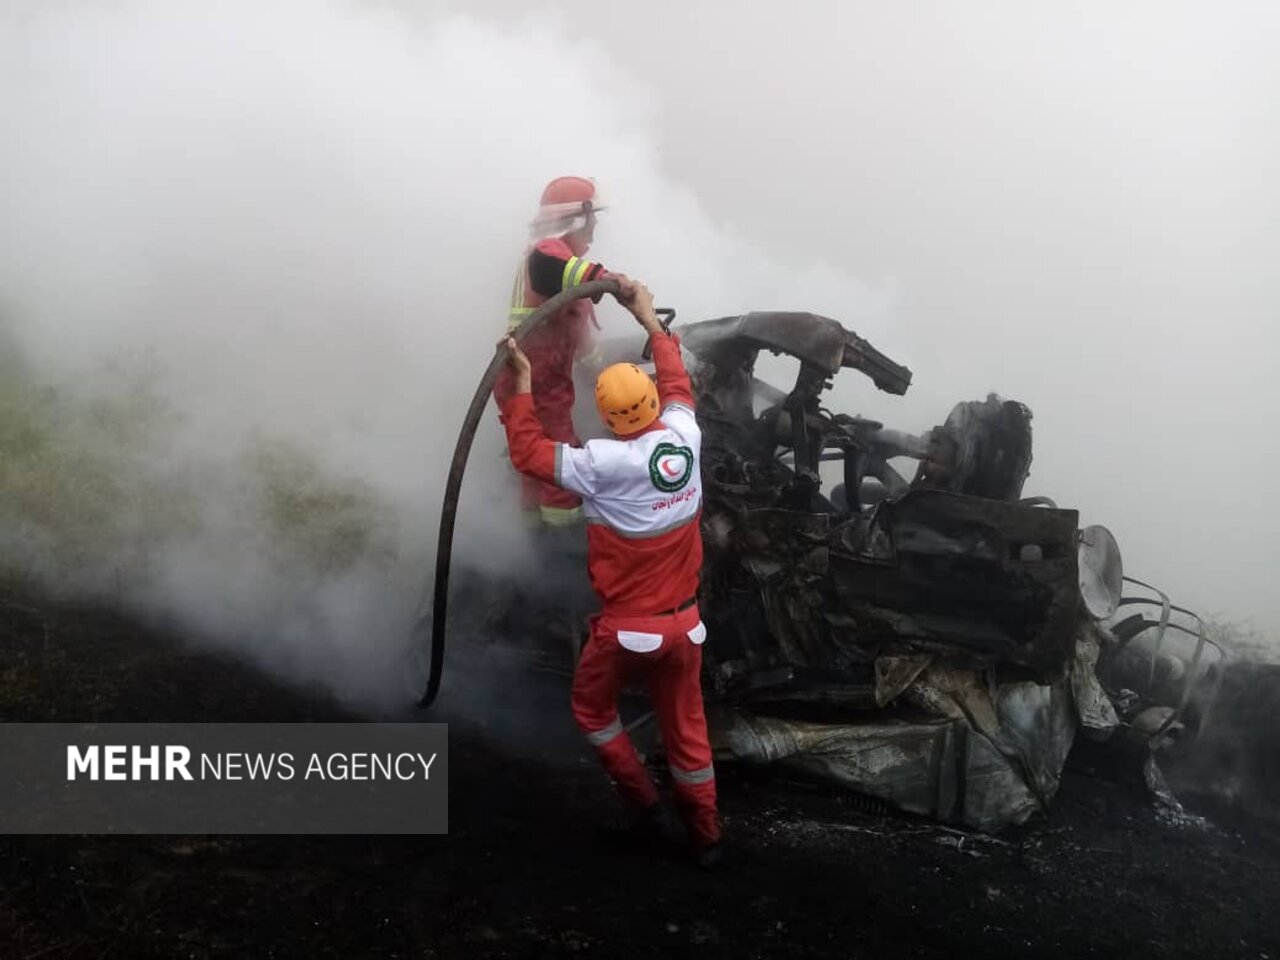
546, 505
666, 652
551, 355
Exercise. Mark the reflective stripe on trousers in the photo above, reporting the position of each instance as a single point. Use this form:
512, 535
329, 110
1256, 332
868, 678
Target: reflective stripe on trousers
599, 738
693, 777
561, 517
666, 651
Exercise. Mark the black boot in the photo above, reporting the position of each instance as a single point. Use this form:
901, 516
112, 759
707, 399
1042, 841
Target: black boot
646, 830
710, 857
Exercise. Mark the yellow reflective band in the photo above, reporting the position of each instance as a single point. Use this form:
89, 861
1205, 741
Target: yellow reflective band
575, 268
566, 278
560, 517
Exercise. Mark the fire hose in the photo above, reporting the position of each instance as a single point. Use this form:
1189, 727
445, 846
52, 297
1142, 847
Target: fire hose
438, 613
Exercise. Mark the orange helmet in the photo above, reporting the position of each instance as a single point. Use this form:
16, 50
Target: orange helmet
627, 398
565, 204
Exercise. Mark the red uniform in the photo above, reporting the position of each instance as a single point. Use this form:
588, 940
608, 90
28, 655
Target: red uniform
642, 500
550, 267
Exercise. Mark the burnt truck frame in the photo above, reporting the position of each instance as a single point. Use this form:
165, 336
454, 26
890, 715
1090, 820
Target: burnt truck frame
949, 560
934, 642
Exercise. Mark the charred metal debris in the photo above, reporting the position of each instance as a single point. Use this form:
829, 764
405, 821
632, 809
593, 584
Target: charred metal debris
933, 640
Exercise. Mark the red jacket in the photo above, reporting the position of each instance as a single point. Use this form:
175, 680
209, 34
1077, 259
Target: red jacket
550, 267
642, 495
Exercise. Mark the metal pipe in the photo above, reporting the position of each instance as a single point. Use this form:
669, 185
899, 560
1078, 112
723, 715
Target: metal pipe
893, 481
1165, 607
1191, 675
898, 443
1202, 641
453, 487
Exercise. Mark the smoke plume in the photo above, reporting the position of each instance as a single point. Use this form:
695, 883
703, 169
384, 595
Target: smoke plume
255, 258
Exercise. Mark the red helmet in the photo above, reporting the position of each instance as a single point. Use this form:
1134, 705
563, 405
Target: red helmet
569, 190
565, 203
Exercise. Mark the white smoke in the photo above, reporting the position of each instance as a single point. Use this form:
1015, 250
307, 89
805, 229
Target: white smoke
267, 248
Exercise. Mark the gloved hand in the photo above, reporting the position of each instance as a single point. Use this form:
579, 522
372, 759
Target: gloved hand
638, 299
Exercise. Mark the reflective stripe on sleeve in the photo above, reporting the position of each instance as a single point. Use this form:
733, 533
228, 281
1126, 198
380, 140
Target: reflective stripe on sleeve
575, 268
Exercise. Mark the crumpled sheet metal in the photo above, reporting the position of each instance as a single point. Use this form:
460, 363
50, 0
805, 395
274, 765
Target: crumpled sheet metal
974, 754
1097, 713
892, 761
895, 673
931, 768
1018, 736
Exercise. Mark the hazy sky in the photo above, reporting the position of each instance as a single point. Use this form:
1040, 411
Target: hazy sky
1075, 205
307, 214
301, 221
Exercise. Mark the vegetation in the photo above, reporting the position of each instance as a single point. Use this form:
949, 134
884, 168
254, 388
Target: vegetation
92, 490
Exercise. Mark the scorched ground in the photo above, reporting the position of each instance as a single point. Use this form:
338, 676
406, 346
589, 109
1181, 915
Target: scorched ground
524, 870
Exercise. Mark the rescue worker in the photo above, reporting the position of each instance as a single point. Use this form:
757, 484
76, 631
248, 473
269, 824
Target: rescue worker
643, 500
561, 234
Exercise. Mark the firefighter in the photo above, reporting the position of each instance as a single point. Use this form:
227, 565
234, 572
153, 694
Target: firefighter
642, 500
561, 234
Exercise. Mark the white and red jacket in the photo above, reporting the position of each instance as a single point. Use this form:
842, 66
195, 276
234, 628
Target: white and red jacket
642, 495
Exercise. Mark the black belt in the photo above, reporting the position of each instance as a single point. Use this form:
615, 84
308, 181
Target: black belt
678, 609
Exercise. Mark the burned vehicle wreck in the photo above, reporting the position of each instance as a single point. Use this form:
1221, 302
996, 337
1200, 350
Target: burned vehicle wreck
936, 641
